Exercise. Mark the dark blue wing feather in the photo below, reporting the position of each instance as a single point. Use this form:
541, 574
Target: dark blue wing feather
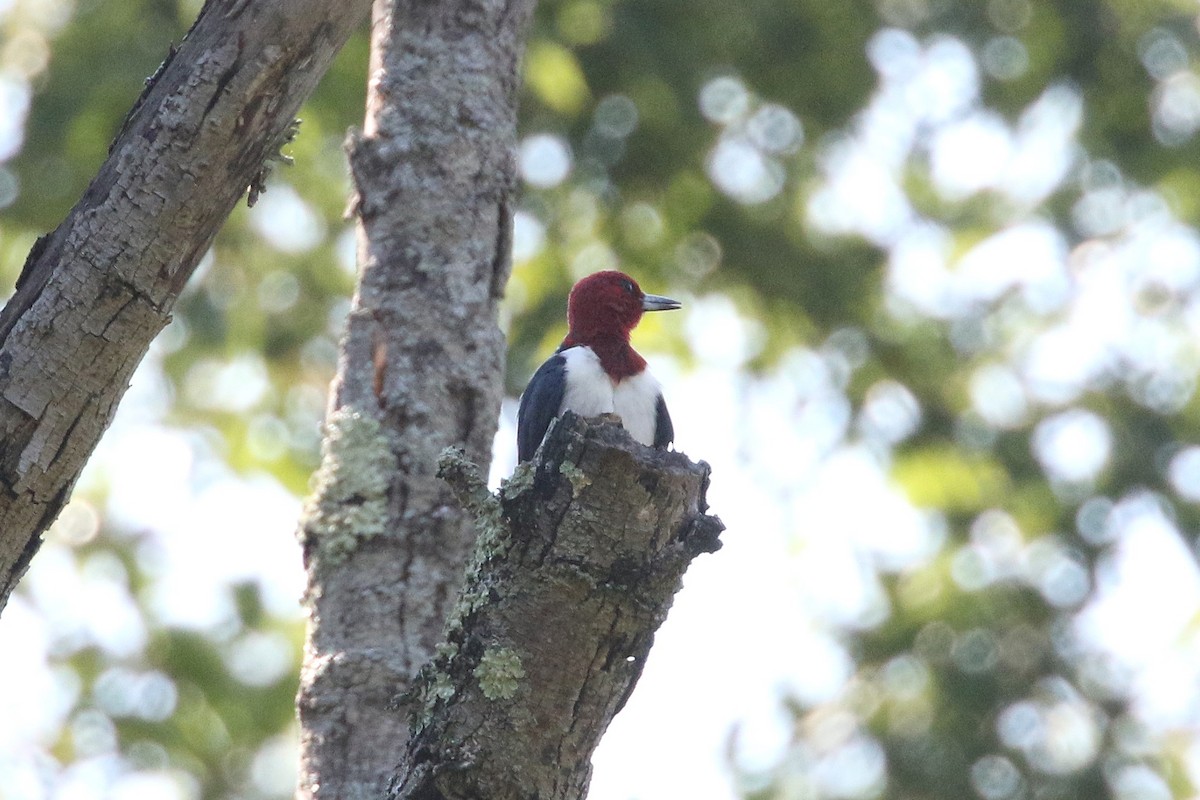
539, 405
664, 431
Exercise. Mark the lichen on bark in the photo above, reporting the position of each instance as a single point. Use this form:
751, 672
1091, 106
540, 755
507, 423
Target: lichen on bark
349, 498
499, 673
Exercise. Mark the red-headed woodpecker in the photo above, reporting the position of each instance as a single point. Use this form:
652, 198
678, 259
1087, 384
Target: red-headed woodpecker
595, 371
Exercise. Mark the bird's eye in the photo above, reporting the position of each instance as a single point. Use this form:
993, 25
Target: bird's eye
627, 285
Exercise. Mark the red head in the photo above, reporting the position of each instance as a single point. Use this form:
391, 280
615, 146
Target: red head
609, 304
602, 310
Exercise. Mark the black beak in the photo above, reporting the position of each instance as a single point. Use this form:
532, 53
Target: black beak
653, 302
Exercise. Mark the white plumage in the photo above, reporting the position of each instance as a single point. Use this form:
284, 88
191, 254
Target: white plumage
590, 391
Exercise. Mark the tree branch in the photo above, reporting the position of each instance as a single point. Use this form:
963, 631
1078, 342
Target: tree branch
575, 568
95, 292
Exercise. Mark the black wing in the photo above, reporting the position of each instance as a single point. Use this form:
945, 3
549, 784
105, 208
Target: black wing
539, 405
664, 431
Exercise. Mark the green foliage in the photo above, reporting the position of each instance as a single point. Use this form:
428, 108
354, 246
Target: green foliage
707, 141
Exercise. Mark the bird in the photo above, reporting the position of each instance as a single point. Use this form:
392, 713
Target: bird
595, 370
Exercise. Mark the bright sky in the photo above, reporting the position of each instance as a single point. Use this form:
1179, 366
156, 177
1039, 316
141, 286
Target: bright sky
812, 518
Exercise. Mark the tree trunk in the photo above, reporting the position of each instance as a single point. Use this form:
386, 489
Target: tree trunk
575, 568
95, 291
421, 369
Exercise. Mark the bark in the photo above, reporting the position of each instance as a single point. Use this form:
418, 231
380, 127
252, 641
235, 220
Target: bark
575, 568
95, 291
421, 369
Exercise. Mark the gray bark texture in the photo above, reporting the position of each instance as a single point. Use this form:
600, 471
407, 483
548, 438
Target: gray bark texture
421, 369
95, 291
575, 567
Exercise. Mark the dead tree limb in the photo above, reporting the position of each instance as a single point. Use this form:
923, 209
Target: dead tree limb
575, 568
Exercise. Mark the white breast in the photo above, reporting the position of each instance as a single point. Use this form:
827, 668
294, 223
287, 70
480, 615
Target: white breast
635, 400
589, 391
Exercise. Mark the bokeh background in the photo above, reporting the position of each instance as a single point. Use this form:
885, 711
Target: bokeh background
941, 273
